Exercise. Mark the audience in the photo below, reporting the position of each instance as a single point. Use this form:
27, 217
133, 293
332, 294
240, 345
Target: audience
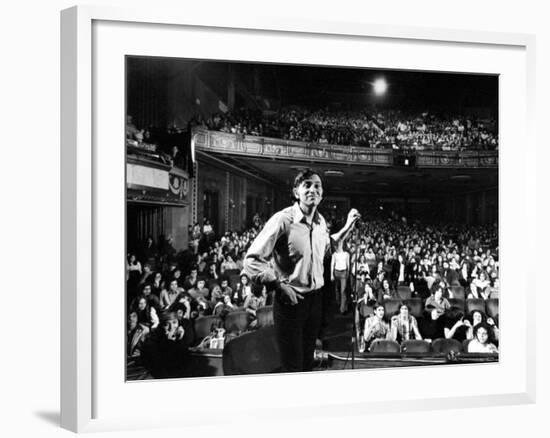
428, 260
383, 129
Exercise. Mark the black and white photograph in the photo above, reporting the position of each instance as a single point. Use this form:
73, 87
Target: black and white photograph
285, 218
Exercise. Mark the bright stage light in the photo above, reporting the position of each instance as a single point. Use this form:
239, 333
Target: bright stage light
380, 86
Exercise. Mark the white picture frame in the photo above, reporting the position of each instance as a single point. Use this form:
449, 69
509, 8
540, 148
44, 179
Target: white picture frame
93, 195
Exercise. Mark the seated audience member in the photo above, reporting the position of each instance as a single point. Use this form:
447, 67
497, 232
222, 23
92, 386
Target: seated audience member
480, 343
431, 326
200, 291
131, 129
362, 266
224, 306
167, 250
449, 275
212, 273
243, 290
387, 292
253, 302
477, 317
494, 288
183, 315
456, 326
146, 276
208, 230
437, 300
479, 288
376, 327
404, 325
228, 264
133, 274
148, 250
377, 270
202, 308
176, 275
377, 284
133, 267
168, 297
136, 336
152, 300
201, 263
165, 353
191, 280
157, 284
225, 288
216, 294
146, 314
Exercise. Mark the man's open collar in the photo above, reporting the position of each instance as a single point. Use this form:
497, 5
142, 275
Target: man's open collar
298, 215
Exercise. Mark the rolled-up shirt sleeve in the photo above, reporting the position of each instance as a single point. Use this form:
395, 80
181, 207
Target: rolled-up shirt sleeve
256, 263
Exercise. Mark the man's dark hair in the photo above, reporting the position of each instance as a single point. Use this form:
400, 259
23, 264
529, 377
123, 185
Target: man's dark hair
483, 325
303, 175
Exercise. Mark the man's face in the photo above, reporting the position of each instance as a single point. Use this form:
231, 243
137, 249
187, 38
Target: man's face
170, 327
142, 304
310, 192
200, 284
174, 285
482, 335
379, 312
147, 290
476, 318
133, 320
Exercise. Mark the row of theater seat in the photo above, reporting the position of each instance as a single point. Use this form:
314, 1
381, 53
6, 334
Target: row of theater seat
489, 307
237, 322
234, 322
440, 345
458, 291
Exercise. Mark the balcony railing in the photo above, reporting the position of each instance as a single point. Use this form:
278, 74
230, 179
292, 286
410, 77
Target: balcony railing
248, 145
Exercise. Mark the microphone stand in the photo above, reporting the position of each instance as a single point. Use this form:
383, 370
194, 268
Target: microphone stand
354, 295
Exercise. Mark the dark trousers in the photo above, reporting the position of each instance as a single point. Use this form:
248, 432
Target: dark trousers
296, 330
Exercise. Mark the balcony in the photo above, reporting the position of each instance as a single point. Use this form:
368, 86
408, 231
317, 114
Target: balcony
273, 148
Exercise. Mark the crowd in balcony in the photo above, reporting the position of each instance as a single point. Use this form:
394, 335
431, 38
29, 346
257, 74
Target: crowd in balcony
380, 129
169, 291
161, 145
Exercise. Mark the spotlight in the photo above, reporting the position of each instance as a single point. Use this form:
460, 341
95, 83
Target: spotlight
380, 86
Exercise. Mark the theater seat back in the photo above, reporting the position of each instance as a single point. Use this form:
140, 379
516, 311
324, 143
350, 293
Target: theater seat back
458, 292
443, 345
384, 346
391, 307
491, 305
415, 346
416, 307
236, 322
252, 353
404, 292
475, 304
204, 325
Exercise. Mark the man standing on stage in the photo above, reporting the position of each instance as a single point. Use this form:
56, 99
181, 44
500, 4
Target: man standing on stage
287, 256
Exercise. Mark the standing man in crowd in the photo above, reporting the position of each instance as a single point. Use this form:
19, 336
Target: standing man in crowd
287, 256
